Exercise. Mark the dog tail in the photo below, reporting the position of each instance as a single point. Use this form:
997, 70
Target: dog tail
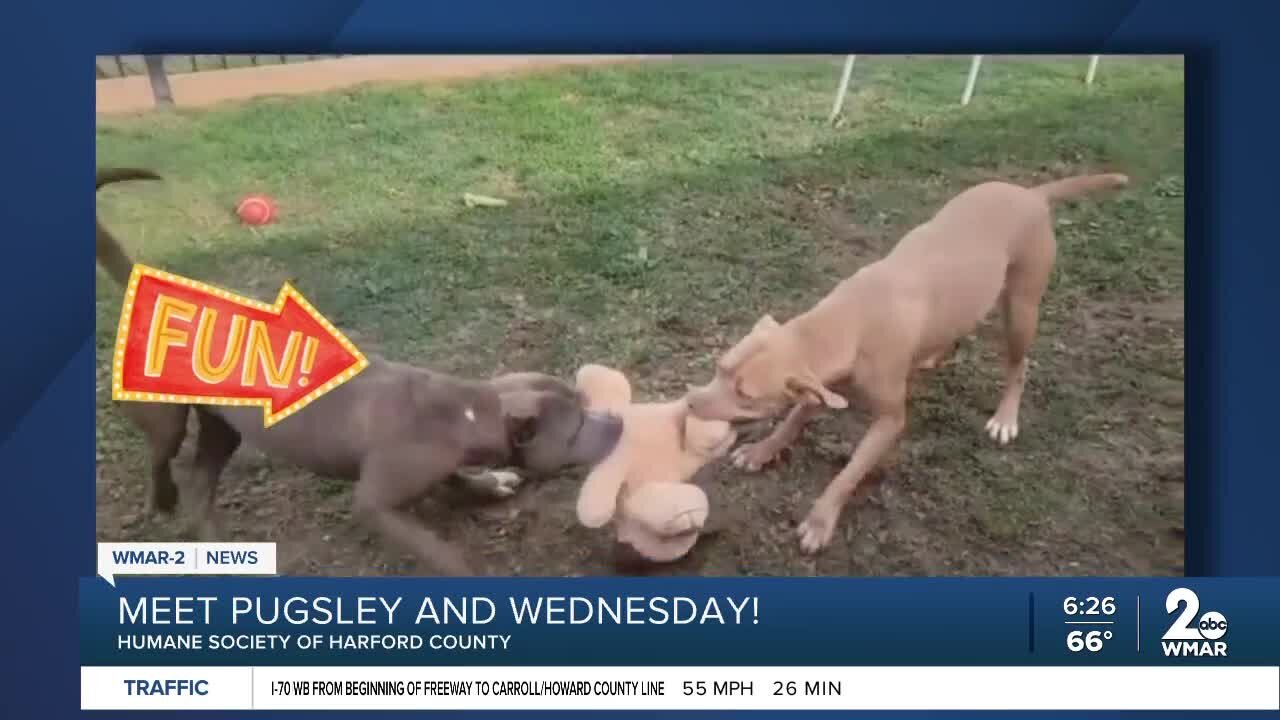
1072, 187
110, 254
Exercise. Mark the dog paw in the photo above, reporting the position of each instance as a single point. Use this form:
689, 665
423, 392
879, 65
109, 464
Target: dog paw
753, 456
502, 483
817, 529
1002, 430
162, 501
448, 562
205, 529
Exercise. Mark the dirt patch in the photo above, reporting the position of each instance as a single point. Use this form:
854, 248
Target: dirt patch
198, 89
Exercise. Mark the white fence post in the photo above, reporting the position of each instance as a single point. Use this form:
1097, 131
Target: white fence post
1093, 69
972, 81
844, 87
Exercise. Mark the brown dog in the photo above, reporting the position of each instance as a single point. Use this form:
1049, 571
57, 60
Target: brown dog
991, 244
394, 429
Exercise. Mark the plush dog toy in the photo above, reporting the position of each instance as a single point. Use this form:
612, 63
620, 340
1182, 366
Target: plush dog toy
643, 485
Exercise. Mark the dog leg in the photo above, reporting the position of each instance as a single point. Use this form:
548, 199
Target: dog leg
888, 407
1003, 425
165, 427
753, 456
391, 482
1024, 286
1021, 305
162, 495
215, 444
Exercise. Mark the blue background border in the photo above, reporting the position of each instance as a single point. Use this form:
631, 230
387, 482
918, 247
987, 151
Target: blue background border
46, 414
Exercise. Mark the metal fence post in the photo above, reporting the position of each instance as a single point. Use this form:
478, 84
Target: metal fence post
1093, 69
974, 66
159, 80
843, 88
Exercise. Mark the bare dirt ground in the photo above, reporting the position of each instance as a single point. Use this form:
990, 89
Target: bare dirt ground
200, 89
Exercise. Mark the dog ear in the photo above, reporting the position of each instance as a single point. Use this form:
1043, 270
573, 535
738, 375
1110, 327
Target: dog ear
749, 345
807, 386
738, 354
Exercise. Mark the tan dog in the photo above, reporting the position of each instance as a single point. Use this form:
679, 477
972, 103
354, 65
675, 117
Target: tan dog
991, 244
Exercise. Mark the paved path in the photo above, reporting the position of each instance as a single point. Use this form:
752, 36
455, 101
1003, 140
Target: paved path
133, 93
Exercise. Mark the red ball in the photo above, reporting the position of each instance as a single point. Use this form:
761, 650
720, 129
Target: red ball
256, 210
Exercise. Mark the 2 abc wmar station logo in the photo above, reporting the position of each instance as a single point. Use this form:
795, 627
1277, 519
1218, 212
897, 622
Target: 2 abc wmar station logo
1192, 634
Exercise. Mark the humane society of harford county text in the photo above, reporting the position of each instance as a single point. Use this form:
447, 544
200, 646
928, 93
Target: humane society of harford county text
375, 622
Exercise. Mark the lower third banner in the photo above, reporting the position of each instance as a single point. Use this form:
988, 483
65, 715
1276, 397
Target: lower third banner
697, 643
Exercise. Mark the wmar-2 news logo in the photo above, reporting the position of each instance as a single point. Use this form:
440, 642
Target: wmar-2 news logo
1193, 634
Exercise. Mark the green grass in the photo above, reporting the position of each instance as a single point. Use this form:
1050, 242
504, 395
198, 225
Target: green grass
656, 210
